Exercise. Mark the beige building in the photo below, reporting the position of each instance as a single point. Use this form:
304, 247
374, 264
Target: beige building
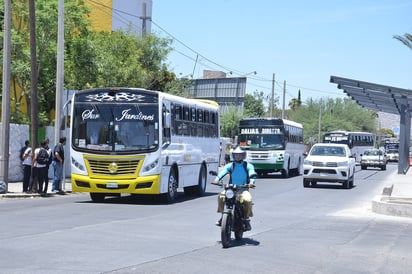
110, 15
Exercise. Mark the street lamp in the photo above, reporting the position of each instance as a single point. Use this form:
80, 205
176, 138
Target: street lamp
244, 75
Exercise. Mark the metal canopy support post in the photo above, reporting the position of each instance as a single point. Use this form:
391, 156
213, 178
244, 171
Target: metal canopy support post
404, 139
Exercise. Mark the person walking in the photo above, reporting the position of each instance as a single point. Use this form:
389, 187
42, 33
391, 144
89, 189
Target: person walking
58, 160
27, 161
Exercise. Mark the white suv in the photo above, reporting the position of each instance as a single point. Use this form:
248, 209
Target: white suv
329, 163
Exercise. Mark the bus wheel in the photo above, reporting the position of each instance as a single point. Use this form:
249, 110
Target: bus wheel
201, 185
285, 173
171, 186
97, 197
200, 188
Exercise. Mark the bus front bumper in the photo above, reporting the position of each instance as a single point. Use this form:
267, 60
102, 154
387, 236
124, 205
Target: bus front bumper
269, 167
140, 185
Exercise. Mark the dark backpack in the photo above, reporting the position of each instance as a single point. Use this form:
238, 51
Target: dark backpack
22, 150
43, 157
233, 167
50, 160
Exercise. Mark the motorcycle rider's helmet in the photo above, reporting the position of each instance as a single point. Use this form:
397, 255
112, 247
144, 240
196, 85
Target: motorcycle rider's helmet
238, 154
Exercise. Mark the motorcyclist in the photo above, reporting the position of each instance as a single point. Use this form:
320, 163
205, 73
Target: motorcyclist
240, 171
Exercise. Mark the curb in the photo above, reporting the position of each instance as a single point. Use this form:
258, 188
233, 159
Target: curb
32, 195
385, 205
393, 206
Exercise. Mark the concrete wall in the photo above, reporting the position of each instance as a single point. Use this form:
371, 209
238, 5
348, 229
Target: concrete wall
18, 135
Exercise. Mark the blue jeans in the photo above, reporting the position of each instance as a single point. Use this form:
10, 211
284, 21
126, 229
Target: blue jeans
58, 172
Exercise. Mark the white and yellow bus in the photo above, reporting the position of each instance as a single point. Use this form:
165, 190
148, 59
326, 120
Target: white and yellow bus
137, 141
272, 145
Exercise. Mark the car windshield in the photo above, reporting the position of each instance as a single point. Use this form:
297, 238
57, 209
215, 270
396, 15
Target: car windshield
373, 153
328, 151
392, 151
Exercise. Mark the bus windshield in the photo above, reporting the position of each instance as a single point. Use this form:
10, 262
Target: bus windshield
262, 141
115, 127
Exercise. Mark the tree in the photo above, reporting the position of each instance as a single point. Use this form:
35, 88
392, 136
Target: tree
46, 37
333, 114
92, 59
229, 122
179, 87
119, 58
406, 39
253, 106
295, 102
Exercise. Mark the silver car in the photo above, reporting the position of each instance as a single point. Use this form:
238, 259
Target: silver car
329, 163
392, 155
373, 158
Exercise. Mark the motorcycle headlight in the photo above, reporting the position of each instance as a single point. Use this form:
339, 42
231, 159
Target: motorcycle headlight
229, 194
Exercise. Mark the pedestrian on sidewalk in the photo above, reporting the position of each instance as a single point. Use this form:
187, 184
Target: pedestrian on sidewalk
41, 156
58, 160
49, 162
27, 161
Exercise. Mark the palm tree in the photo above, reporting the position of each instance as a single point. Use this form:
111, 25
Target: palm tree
295, 102
406, 39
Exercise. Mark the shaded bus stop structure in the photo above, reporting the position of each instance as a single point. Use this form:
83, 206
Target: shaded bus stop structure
385, 99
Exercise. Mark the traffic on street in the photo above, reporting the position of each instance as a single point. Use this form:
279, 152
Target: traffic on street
321, 229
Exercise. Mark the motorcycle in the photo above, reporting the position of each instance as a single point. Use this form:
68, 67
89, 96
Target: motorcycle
233, 213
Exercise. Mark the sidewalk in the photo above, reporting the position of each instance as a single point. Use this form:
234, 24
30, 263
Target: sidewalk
396, 197
15, 190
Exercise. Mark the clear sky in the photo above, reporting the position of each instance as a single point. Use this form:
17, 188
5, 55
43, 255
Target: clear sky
301, 42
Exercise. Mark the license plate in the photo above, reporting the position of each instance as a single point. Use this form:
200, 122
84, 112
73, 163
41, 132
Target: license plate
111, 185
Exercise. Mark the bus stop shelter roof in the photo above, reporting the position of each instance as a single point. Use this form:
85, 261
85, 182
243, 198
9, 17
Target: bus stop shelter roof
386, 99
374, 96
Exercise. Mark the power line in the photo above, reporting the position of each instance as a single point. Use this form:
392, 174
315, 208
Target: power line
203, 58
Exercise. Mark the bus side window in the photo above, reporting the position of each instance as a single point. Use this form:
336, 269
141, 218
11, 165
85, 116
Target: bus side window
286, 136
167, 124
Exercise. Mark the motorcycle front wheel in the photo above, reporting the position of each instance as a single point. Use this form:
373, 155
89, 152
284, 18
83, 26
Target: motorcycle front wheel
226, 230
239, 233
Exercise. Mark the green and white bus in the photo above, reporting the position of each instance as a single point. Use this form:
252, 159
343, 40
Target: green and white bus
272, 145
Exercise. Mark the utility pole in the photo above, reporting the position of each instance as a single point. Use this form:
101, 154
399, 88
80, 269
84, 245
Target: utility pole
60, 70
320, 119
272, 99
5, 110
34, 105
59, 78
284, 98
144, 18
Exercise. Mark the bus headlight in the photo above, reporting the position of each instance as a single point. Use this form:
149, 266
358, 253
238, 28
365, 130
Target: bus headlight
78, 165
151, 166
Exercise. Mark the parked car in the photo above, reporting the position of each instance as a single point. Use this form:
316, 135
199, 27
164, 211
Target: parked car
373, 158
329, 163
392, 155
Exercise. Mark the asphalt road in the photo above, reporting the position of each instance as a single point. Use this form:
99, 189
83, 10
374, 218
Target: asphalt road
325, 229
